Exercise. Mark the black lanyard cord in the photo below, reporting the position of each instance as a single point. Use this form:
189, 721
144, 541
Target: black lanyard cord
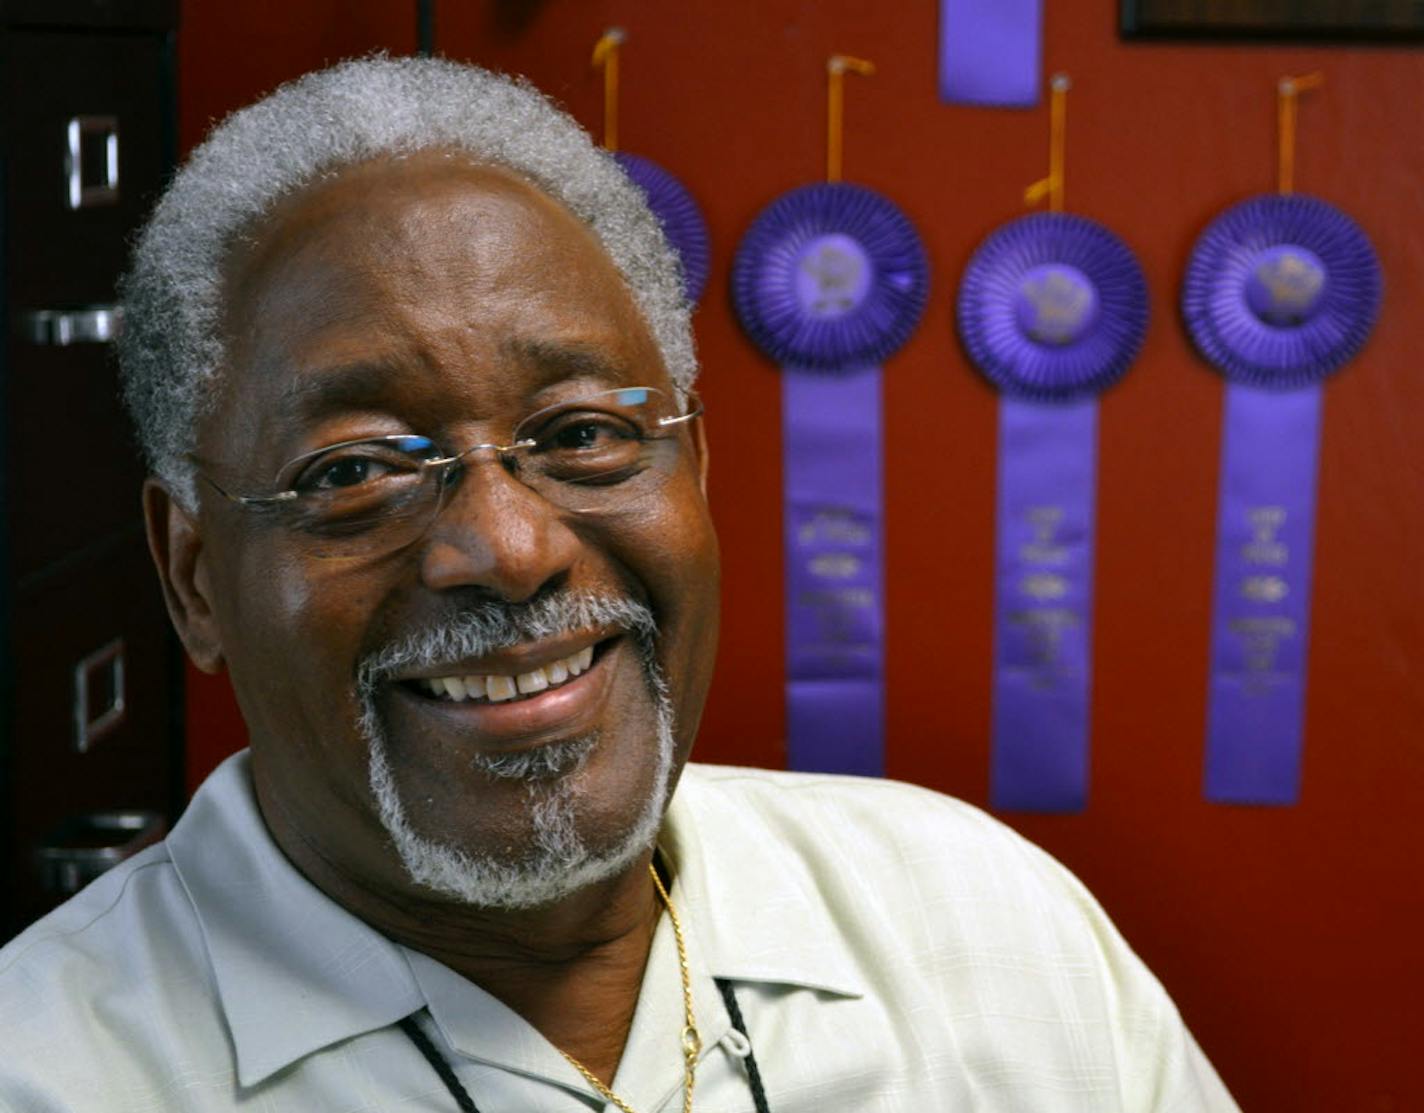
442, 1068
467, 1104
753, 1073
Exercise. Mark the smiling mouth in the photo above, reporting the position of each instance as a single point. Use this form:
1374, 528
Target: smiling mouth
497, 688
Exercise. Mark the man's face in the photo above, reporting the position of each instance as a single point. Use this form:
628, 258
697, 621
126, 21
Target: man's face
434, 297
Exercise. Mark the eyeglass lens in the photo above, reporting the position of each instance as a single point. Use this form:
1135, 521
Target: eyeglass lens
596, 454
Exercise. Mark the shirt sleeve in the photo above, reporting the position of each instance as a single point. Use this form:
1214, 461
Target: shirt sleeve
1160, 1067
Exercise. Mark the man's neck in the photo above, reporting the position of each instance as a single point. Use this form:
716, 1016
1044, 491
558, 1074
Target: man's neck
572, 969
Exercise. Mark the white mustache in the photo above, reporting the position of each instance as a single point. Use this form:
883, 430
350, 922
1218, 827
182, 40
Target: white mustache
487, 627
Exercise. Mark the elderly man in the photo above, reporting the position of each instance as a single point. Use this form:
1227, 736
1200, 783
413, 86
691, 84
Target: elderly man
413, 370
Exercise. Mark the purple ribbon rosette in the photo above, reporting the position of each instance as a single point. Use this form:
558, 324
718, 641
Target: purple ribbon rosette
1052, 310
829, 281
680, 216
1281, 290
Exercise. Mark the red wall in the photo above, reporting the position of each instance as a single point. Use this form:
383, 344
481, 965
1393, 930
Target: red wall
1289, 937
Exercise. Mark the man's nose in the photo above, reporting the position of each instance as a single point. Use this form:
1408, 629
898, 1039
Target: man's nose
493, 532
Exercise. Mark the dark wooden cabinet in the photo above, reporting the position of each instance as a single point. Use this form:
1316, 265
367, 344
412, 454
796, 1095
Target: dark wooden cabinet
90, 745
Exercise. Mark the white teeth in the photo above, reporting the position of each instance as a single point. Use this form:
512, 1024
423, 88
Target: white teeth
534, 681
500, 688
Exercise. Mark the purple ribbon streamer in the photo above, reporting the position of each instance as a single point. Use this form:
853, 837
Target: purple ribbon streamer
1043, 603
1261, 613
831, 459
990, 52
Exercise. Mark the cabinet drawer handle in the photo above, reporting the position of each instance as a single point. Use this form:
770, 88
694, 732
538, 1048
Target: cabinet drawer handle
98, 324
101, 135
90, 728
83, 847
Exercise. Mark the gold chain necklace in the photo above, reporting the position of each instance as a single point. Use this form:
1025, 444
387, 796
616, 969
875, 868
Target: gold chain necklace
691, 1038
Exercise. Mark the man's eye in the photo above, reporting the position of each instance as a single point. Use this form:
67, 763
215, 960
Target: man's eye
587, 447
585, 434
347, 473
350, 470
589, 433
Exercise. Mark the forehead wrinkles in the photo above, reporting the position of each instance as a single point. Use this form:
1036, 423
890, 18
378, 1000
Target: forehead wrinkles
402, 244
429, 213
387, 254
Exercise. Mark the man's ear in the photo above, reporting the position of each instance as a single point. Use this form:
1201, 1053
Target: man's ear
177, 549
699, 446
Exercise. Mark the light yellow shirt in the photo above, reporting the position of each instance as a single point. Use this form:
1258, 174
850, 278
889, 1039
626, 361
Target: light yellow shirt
892, 950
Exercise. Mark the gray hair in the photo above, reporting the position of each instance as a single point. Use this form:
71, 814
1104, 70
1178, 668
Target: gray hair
171, 351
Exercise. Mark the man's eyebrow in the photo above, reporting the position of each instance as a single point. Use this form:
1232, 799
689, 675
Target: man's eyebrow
364, 385
563, 360
347, 386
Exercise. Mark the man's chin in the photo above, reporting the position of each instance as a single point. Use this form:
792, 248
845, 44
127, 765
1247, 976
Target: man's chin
555, 857
539, 766
532, 811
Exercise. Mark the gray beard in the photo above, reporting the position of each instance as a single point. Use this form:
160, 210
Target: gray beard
557, 861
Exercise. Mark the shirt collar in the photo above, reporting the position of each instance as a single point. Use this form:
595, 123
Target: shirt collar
296, 972
758, 913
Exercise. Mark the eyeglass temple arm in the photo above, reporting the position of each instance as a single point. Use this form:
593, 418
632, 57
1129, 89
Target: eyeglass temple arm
695, 411
249, 500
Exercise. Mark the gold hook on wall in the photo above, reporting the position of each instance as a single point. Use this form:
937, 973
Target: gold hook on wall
1052, 186
837, 65
605, 55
